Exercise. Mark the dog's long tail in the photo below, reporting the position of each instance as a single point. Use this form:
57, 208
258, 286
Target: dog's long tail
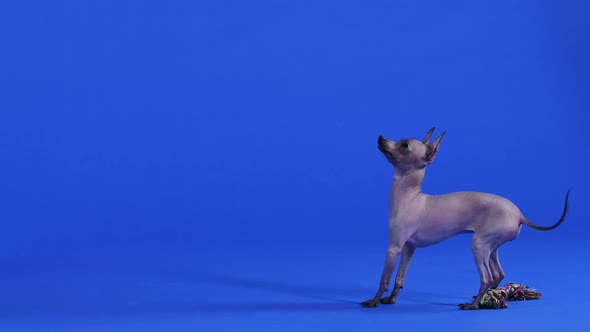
548, 228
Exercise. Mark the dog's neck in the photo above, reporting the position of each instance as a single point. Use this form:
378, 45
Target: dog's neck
406, 186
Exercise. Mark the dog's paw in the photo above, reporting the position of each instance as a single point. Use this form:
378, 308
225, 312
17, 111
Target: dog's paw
370, 303
468, 306
387, 300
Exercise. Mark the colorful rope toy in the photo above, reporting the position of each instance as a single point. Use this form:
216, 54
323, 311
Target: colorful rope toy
496, 298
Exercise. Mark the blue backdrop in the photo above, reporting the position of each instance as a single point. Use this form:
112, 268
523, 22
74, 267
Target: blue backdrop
213, 165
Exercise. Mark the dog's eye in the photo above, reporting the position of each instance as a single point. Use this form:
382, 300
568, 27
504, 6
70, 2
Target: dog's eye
405, 145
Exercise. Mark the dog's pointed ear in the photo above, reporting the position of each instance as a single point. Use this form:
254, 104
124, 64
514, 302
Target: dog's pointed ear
432, 149
427, 137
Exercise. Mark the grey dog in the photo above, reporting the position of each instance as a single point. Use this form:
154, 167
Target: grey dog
420, 220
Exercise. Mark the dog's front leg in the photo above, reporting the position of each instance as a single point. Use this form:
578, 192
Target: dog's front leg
390, 261
402, 270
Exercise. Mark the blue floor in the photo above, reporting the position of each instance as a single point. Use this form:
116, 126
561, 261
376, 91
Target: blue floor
267, 289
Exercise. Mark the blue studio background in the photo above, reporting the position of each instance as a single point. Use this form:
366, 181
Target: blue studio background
213, 165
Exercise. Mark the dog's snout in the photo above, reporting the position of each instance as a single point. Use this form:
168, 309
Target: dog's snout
380, 138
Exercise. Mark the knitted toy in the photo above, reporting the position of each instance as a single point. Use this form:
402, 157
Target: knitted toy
496, 298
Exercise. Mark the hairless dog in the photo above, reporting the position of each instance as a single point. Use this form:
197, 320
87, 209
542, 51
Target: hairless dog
420, 220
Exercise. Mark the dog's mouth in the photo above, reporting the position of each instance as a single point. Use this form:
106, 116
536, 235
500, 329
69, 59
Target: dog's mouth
382, 145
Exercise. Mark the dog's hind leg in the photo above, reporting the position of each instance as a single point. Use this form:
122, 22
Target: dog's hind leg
497, 271
406, 257
481, 252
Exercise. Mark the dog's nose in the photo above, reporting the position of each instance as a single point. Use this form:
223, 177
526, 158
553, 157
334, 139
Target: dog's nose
380, 138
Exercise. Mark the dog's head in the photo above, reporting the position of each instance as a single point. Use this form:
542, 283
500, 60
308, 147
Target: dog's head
407, 154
